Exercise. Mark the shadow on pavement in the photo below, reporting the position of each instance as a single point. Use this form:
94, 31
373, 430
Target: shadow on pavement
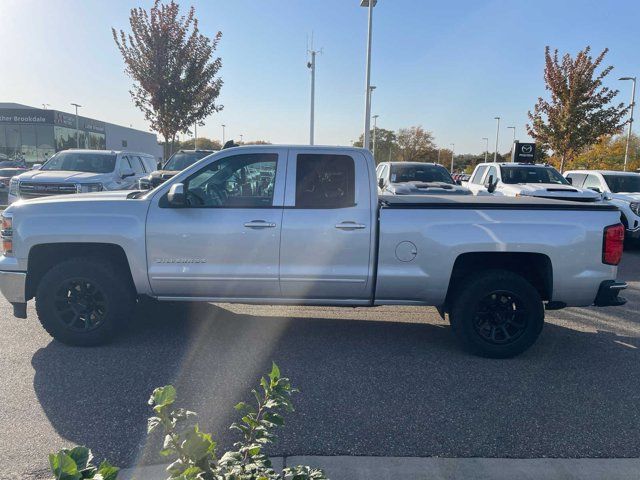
367, 388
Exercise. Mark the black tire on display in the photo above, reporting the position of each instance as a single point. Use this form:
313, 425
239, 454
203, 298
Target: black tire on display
84, 301
496, 314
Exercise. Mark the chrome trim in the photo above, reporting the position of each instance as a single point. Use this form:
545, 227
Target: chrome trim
13, 286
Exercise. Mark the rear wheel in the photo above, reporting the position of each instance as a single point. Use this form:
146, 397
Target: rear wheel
497, 314
83, 301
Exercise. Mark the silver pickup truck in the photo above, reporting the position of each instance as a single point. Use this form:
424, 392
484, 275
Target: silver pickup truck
305, 225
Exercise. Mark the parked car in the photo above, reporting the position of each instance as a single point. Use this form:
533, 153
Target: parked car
82, 171
176, 163
304, 225
416, 178
526, 180
619, 188
6, 174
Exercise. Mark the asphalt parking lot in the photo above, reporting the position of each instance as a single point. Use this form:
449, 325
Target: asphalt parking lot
387, 381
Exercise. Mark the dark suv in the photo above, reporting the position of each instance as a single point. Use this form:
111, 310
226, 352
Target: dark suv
176, 163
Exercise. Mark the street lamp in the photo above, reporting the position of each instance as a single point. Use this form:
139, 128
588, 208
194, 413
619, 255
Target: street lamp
367, 99
223, 127
633, 102
77, 132
514, 140
312, 66
486, 150
195, 136
495, 154
241, 136
375, 126
453, 147
45, 105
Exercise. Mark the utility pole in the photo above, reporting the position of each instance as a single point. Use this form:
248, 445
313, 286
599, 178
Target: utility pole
241, 137
195, 136
486, 150
495, 154
375, 126
77, 130
453, 147
312, 66
223, 139
367, 99
633, 102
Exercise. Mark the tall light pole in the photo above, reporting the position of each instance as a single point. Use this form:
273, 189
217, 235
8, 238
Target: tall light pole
367, 99
375, 126
223, 127
453, 147
241, 136
45, 105
371, 89
195, 136
514, 140
77, 130
495, 154
439, 150
633, 102
486, 150
312, 66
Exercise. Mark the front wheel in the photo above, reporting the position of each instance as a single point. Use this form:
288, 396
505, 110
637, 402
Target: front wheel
497, 314
84, 301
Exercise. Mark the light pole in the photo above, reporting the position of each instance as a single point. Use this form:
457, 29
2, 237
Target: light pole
375, 126
312, 66
223, 127
633, 102
514, 140
45, 105
195, 136
495, 154
371, 89
486, 150
241, 136
367, 99
77, 132
453, 147
439, 150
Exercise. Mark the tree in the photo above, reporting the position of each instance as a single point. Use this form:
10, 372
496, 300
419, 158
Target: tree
580, 110
608, 154
386, 144
170, 62
203, 144
416, 145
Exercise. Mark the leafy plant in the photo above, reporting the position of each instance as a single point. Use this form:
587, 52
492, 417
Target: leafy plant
194, 451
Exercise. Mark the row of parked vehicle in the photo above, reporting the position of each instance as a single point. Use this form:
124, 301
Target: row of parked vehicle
621, 189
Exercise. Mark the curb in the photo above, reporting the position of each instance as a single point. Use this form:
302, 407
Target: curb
418, 468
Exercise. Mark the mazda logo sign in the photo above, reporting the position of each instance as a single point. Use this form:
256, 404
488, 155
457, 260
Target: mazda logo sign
527, 148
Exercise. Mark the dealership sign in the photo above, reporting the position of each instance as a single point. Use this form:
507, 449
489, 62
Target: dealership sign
12, 115
523, 152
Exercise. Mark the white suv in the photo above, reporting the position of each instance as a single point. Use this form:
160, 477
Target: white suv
619, 188
76, 171
526, 180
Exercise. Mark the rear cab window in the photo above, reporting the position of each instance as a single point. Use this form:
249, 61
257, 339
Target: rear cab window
325, 181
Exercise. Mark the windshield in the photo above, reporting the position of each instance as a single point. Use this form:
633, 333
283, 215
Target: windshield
181, 160
623, 183
420, 173
514, 175
90, 162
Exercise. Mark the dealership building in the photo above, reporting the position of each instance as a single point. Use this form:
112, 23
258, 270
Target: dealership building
34, 134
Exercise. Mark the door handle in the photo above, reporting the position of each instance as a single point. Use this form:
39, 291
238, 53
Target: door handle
350, 226
259, 224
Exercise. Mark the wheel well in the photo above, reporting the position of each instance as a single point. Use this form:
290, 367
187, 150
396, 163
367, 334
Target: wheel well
534, 267
43, 257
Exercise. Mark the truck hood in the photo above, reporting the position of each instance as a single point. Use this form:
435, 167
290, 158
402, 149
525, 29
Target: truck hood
625, 197
69, 201
550, 190
427, 188
60, 176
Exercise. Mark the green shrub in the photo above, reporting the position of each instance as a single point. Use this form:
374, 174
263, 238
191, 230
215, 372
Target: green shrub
194, 452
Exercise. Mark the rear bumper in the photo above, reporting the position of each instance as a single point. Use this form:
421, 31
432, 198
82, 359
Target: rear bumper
608, 294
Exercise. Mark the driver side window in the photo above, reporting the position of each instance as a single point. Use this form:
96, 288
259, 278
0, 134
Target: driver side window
240, 181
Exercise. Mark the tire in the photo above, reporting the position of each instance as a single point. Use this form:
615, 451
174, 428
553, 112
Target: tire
496, 314
84, 301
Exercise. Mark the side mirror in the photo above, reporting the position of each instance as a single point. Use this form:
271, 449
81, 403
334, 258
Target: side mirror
595, 189
570, 180
381, 182
176, 196
127, 172
36, 166
490, 185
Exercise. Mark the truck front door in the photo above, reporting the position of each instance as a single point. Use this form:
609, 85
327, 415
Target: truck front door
225, 242
327, 227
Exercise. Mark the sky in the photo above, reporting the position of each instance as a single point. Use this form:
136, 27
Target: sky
449, 66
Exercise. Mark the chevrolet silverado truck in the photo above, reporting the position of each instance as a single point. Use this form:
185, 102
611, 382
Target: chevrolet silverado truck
305, 225
416, 178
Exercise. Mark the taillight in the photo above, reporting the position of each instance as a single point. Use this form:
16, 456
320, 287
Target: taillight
612, 244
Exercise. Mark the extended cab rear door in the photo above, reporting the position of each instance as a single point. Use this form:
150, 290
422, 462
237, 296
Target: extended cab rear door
327, 226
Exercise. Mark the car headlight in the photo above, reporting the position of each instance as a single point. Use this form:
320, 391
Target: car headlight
89, 187
635, 207
13, 187
7, 234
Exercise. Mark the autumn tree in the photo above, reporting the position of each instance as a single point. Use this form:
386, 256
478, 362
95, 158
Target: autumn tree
175, 81
203, 144
580, 109
608, 154
386, 144
416, 145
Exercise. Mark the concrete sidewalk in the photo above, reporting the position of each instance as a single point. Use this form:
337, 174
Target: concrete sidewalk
412, 468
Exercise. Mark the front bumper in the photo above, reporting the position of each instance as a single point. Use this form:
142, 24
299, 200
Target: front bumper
608, 294
13, 286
